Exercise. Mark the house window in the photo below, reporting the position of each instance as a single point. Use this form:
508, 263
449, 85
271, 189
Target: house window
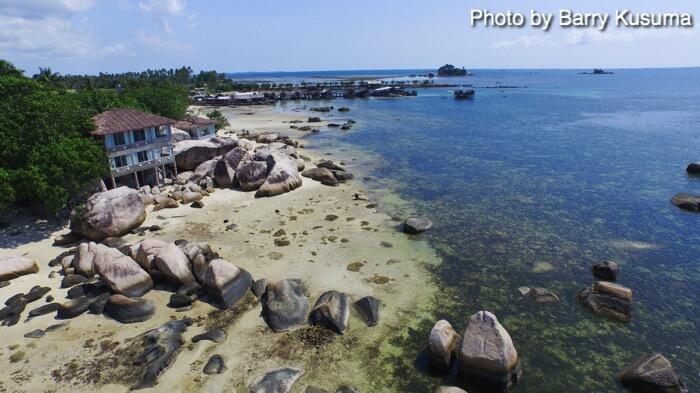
161, 132
142, 156
139, 135
119, 161
119, 139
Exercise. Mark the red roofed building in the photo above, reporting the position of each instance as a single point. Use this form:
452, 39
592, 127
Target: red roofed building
137, 144
197, 127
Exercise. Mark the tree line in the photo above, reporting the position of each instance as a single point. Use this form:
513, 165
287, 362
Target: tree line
48, 154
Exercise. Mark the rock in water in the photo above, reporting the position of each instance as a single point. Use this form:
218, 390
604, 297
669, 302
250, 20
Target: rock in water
331, 311
251, 175
73, 308
542, 295
443, 346
121, 273
173, 263
280, 380
215, 365
129, 309
322, 175
686, 201
607, 298
282, 175
160, 349
487, 353
284, 305
606, 270
15, 266
693, 168
415, 225
112, 213
226, 283
368, 309
652, 373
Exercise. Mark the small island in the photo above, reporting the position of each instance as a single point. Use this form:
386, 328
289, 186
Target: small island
597, 71
450, 70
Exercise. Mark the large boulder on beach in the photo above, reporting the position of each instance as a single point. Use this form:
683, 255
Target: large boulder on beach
284, 305
652, 373
331, 311
609, 299
121, 273
224, 174
443, 345
15, 266
173, 263
246, 144
83, 260
106, 214
251, 175
234, 157
280, 380
686, 201
368, 310
204, 170
322, 175
282, 175
226, 283
190, 154
487, 353
178, 135
129, 309
147, 251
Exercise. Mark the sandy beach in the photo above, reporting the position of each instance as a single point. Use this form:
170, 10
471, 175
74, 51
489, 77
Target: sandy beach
335, 242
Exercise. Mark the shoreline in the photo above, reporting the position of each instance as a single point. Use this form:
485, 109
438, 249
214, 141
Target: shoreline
384, 263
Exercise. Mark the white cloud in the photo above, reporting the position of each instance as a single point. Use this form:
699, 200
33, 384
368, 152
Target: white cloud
525, 41
162, 43
172, 7
37, 9
49, 37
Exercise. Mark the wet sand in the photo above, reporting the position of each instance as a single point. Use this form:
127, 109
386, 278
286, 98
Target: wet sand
327, 230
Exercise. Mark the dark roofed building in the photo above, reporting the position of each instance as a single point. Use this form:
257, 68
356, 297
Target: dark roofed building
197, 127
137, 143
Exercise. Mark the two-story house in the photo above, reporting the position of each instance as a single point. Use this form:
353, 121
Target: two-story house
137, 144
197, 127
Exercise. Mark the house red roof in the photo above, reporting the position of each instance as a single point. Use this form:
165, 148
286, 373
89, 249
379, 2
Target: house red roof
126, 119
191, 122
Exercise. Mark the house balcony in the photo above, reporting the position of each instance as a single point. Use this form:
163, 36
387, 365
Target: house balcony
138, 146
142, 166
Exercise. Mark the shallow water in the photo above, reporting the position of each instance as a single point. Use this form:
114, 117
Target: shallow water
530, 187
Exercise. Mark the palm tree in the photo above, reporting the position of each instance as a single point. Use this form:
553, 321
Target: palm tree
46, 75
8, 69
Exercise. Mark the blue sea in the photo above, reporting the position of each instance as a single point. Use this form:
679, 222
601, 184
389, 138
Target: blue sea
531, 186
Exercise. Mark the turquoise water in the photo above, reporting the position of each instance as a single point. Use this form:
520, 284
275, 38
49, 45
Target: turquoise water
530, 187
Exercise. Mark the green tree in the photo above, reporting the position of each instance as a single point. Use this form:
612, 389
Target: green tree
46, 75
221, 121
8, 69
165, 99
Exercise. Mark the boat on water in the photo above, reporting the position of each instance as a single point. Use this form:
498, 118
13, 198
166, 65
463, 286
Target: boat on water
464, 94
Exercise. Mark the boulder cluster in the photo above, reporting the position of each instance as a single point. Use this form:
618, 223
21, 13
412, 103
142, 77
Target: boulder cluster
328, 173
605, 297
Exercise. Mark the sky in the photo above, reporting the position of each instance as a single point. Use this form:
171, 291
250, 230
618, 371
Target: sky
91, 36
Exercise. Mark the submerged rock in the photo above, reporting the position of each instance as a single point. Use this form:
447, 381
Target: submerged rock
652, 373
606, 270
331, 311
129, 310
284, 305
414, 225
14, 266
607, 298
215, 365
160, 349
487, 354
368, 310
687, 201
226, 283
539, 295
280, 380
112, 213
443, 345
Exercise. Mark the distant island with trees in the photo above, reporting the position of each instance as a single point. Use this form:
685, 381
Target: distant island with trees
450, 70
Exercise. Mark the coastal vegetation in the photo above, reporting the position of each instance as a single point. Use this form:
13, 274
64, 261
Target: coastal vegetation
48, 154
220, 119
